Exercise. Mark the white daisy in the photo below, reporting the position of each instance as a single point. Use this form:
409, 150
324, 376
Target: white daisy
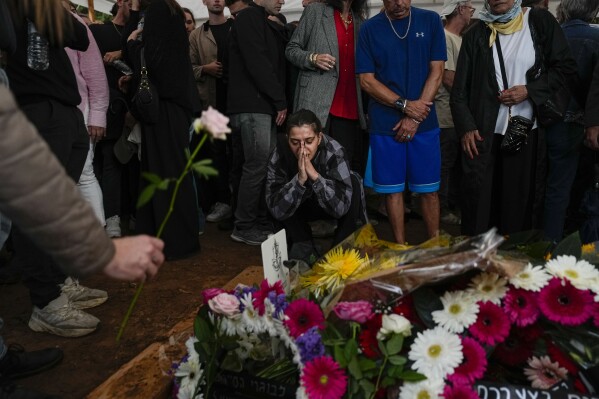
430, 389
191, 350
436, 353
191, 374
488, 287
531, 278
251, 320
580, 273
459, 311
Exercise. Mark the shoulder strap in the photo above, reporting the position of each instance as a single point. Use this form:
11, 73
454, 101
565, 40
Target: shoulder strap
501, 64
143, 59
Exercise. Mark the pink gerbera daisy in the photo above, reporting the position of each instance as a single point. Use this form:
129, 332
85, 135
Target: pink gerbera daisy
473, 366
323, 379
459, 392
302, 315
265, 289
492, 325
563, 303
521, 307
543, 373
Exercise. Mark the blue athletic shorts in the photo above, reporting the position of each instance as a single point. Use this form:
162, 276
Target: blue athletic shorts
418, 162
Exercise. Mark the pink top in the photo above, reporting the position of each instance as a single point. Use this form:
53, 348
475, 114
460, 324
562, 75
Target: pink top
91, 81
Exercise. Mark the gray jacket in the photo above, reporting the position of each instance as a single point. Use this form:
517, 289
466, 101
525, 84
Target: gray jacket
316, 34
39, 197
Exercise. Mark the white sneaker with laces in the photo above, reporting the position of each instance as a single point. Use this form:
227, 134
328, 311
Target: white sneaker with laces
221, 211
113, 226
59, 317
82, 297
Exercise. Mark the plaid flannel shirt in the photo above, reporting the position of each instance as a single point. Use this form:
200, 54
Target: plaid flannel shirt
333, 188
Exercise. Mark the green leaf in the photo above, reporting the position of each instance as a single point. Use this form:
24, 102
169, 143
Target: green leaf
368, 387
571, 245
202, 330
397, 360
146, 195
164, 184
382, 348
366, 364
340, 356
204, 162
205, 171
187, 153
395, 371
151, 177
395, 344
410, 375
354, 368
387, 382
537, 250
351, 348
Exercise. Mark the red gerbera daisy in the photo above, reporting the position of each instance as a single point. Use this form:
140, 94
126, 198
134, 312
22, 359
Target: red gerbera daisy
492, 325
516, 349
265, 289
405, 307
323, 379
473, 366
563, 303
521, 307
561, 358
303, 315
596, 314
459, 392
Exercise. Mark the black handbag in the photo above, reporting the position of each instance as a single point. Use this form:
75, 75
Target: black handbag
518, 127
145, 102
554, 108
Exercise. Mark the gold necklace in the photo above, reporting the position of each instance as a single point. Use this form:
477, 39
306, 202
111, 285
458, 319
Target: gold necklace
348, 20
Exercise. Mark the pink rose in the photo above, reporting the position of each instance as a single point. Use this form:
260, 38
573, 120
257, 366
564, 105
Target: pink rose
225, 304
359, 311
215, 122
210, 293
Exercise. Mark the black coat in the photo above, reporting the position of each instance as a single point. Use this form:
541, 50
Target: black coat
256, 64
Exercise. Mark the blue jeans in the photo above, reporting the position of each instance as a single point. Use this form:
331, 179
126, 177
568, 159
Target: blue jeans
258, 136
564, 141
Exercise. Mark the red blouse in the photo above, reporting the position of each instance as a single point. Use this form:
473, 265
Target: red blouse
345, 101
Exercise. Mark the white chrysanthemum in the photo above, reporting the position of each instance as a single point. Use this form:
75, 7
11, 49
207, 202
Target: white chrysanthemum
251, 320
580, 273
436, 353
488, 287
191, 374
531, 278
459, 311
430, 389
191, 350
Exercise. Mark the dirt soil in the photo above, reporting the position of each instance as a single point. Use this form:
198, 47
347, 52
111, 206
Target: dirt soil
165, 301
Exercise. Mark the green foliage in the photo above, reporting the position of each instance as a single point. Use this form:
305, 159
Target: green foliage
571, 245
204, 168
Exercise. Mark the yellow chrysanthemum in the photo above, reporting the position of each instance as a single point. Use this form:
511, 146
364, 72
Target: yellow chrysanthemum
337, 266
588, 248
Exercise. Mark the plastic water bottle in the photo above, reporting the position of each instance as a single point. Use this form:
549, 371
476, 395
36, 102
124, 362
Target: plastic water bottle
37, 49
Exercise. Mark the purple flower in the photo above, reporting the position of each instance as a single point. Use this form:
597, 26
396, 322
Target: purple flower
310, 345
240, 292
279, 301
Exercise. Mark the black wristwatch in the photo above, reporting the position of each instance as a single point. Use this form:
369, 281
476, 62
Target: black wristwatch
400, 104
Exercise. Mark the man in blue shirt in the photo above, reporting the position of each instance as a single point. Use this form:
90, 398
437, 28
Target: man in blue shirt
400, 58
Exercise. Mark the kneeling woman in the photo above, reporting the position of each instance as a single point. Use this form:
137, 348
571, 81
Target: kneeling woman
308, 179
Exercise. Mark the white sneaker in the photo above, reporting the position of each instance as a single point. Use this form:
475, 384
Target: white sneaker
59, 317
82, 297
219, 212
113, 226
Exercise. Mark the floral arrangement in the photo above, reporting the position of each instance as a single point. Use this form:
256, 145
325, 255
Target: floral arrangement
535, 327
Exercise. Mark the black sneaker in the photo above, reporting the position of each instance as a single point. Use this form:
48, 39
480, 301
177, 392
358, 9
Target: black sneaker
249, 236
18, 364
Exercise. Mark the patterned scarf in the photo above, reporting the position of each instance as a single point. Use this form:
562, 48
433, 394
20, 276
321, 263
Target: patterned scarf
508, 23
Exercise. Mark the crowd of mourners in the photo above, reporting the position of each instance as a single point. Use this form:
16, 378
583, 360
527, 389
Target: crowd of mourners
485, 119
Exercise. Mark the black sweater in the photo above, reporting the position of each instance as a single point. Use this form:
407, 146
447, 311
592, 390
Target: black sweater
58, 81
256, 64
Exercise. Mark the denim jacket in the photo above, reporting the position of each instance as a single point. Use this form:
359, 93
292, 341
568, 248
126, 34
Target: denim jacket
583, 40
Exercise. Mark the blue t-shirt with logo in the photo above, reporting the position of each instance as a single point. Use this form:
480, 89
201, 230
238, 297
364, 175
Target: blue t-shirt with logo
401, 65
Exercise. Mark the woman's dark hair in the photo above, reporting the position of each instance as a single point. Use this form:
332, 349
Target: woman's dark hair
584, 10
358, 7
301, 118
188, 11
50, 18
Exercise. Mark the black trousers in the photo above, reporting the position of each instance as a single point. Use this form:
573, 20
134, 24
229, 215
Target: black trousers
298, 229
62, 127
348, 133
504, 190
